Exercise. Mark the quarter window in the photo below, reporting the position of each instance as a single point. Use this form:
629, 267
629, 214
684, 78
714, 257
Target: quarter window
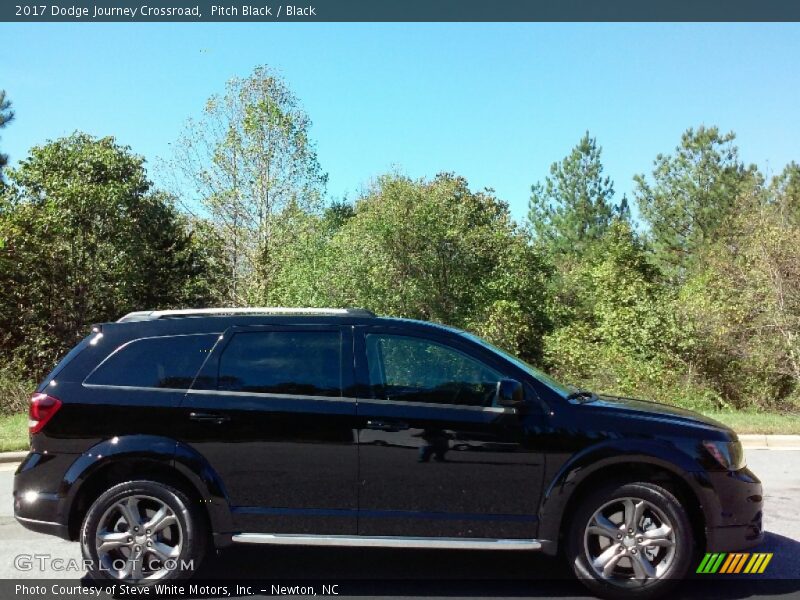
158, 362
413, 369
304, 363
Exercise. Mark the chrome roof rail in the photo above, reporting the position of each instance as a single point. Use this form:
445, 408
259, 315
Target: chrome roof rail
152, 315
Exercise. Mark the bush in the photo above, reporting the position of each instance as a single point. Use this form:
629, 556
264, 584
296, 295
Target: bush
15, 392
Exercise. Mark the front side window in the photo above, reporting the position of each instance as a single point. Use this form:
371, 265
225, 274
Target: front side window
169, 362
410, 369
306, 363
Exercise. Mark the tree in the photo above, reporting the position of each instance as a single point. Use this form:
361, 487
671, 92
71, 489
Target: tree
693, 194
744, 304
612, 325
86, 239
6, 116
426, 249
574, 207
246, 159
785, 192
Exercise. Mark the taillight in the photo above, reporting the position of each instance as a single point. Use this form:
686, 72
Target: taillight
42, 409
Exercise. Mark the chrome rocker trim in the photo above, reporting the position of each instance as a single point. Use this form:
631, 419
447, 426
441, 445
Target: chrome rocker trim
387, 541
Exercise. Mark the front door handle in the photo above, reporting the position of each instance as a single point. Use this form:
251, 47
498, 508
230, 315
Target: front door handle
386, 425
208, 418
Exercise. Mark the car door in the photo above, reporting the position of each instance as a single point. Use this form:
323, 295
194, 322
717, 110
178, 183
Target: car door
436, 457
267, 412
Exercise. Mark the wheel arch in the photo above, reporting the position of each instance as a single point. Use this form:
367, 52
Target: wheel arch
580, 477
142, 457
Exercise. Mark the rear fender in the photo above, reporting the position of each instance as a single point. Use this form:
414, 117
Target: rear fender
165, 452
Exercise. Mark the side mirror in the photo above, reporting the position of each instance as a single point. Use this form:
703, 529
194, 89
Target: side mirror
509, 393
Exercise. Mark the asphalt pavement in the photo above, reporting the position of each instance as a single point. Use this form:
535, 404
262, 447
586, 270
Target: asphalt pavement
368, 572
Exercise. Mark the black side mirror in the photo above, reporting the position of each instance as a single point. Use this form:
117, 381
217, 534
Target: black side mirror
509, 393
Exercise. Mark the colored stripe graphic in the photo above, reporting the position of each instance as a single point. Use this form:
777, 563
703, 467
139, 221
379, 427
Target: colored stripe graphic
729, 562
741, 562
717, 563
765, 563
710, 563
702, 567
724, 563
752, 563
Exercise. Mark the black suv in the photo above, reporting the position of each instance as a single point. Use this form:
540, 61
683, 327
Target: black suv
168, 433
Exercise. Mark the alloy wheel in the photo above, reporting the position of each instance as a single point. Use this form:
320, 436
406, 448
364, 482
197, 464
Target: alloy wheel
629, 542
138, 538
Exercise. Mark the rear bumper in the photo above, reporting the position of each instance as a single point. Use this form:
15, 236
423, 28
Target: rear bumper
46, 527
734, 517
37, 506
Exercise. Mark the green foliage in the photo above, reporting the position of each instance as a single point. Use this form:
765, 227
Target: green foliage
14, 432
700, 308
705, 310
744, 307
246, 160
86, 240
692, 195
430, 250
6, 116
14, 392
574, 207
615, 330
784, 193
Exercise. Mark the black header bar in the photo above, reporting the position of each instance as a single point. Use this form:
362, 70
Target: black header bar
399, 10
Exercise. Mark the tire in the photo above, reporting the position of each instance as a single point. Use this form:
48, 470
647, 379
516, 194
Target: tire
173, 548
599, 536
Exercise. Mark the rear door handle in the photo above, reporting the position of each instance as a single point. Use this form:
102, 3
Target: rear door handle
387, 425
208, 418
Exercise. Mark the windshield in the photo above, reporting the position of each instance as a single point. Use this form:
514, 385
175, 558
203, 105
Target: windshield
554, 385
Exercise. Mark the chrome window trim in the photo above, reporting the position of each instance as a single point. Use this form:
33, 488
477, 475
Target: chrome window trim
492, 409
268, 395
119, 348
133, 388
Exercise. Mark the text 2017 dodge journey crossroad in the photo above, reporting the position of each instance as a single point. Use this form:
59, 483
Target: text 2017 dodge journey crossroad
168, 433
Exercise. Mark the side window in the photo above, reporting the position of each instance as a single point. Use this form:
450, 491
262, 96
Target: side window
158, 362
304, 363
417, 370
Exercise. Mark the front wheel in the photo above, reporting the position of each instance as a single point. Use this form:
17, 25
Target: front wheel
630, 540
142, 532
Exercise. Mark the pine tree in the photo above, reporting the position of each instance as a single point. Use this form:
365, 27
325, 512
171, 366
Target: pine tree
6, 116
574, 207
693, 194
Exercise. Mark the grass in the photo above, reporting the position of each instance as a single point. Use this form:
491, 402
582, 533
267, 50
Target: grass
13, 432
753, 422
14, 428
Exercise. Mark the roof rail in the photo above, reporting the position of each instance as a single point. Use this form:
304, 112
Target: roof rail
152, 315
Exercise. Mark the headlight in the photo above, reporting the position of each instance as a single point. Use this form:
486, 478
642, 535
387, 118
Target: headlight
729, 455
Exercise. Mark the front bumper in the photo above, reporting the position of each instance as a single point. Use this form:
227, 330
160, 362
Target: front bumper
734, 512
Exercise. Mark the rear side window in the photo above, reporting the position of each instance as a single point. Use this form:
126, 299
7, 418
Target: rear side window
305, 363
159, 362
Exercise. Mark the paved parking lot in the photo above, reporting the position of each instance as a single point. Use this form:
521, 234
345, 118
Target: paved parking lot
380, 572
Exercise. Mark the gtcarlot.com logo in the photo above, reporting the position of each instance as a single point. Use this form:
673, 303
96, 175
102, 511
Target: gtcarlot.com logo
735, 562
45, 562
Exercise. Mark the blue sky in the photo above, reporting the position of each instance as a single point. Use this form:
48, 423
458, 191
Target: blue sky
497, 103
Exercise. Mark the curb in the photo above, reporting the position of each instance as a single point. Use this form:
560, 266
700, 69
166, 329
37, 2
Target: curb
758, 441
12, 457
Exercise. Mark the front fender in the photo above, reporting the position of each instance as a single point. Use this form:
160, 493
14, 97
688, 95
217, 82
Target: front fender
673, 457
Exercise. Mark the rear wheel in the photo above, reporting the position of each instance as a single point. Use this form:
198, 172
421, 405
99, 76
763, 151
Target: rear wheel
630, 540
141, 532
